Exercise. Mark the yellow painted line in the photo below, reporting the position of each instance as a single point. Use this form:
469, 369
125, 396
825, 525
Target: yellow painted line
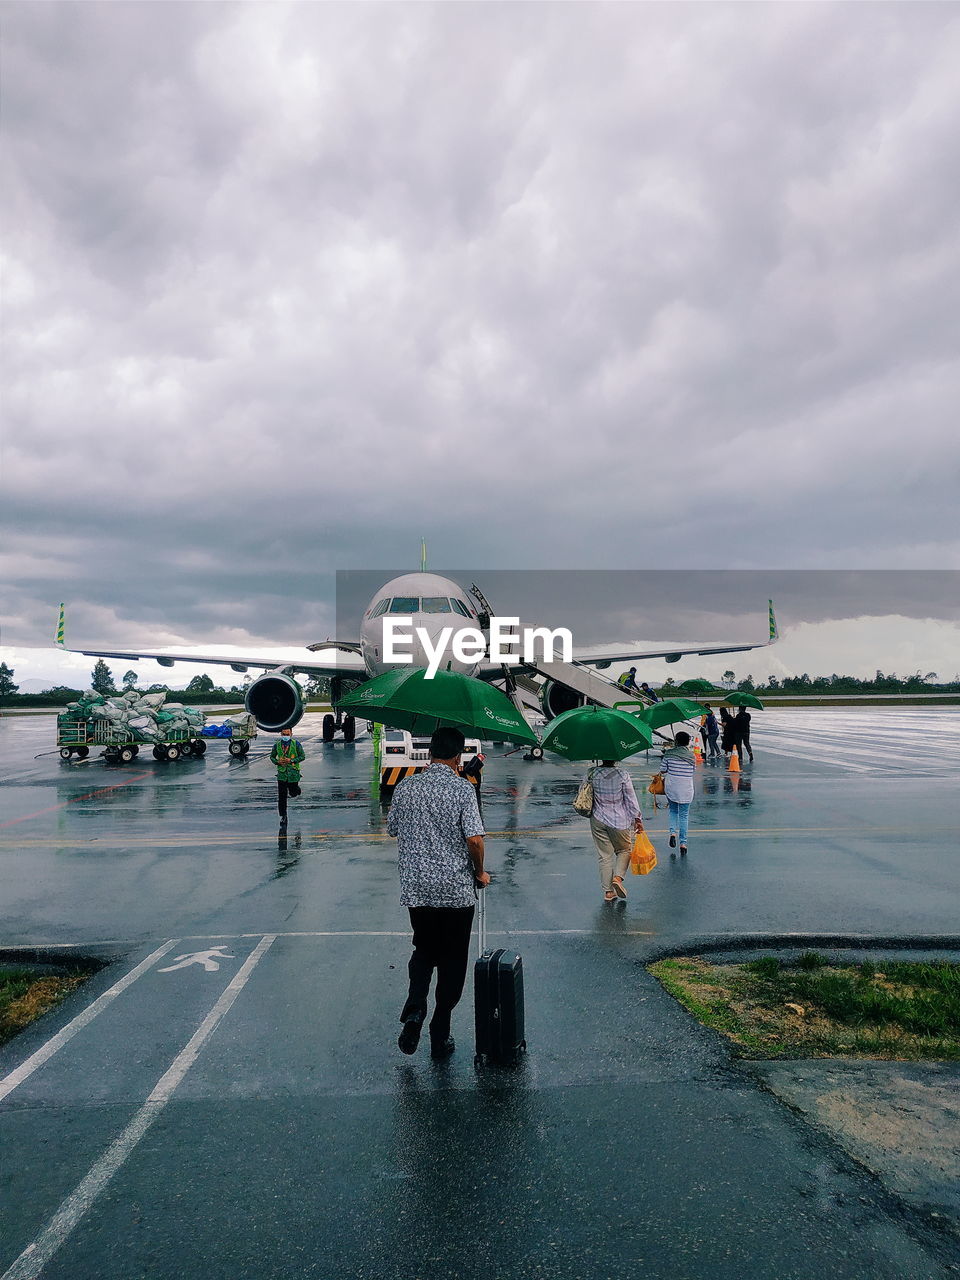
266, 837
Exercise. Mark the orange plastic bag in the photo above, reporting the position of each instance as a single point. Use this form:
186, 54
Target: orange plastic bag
643, 856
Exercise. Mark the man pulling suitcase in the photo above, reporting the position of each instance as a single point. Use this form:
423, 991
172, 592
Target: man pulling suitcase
435, 818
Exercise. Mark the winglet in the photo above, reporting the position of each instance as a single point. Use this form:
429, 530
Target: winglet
61, 626
774, 630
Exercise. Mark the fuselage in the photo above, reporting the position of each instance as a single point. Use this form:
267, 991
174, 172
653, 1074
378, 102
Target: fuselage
431, 603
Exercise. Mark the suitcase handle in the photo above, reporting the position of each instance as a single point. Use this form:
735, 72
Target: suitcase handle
481, 921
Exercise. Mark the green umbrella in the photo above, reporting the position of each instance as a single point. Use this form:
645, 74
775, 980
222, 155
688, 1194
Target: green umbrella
697, 685
670, 711
744, 700
405, 699
596, 733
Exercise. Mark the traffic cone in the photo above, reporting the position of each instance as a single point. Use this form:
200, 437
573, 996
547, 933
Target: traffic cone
697, 753
734, 765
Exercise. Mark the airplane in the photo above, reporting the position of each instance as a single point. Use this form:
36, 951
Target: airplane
431, 602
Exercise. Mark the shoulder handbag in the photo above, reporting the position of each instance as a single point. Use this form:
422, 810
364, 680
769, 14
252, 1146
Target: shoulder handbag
584, 801
656, 788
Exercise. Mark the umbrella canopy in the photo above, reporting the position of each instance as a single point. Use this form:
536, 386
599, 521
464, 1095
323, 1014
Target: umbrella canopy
405, 699
744, 700
596, 733
697, 685
670, 711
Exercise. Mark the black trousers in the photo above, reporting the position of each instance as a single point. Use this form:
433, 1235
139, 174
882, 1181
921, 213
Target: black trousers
441, 941
285, 789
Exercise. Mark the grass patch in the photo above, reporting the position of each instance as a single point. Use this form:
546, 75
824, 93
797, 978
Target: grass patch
24, 997
815, 1008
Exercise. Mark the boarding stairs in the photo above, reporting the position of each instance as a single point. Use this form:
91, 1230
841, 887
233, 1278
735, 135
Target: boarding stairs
525, 693
595, 688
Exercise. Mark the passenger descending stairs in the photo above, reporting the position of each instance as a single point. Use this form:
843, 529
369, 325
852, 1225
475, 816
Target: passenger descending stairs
526, 694
595, 688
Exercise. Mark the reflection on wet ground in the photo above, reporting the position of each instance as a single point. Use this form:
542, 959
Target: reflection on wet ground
844, 820
297, 1139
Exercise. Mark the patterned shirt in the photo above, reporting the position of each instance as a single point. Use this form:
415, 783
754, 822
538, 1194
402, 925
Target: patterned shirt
432, 815
614, 798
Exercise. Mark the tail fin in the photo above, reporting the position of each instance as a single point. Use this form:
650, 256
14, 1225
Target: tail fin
61, 626
774, 630
423, 555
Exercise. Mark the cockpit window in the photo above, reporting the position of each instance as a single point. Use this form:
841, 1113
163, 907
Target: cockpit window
381, 608
405, 604
461, 608
435, 604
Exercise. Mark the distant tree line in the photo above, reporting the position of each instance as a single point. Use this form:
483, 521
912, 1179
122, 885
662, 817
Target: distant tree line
200, 689
811, 686
317, 688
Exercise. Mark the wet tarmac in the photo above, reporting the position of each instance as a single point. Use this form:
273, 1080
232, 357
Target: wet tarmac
237, 1106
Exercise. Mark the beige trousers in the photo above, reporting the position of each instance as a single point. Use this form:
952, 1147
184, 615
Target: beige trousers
613, 851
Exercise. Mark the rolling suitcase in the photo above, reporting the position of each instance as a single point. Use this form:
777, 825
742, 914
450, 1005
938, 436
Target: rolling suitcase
497, 1000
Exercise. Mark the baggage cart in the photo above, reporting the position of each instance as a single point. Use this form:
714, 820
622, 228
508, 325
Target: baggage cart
239, 740
120, 745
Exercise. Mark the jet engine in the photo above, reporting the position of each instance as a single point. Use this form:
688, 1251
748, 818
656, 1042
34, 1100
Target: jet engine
276, 700
556, 698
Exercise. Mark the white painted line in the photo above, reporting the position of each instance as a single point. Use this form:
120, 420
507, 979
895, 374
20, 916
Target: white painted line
38, 1253
308, 933
838, 763
83, 1019
46, 946
399, 933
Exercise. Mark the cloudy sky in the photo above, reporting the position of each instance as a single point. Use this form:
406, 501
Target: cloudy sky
556, 286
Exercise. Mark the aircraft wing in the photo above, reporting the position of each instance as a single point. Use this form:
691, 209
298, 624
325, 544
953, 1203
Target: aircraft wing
324, 663
604, 655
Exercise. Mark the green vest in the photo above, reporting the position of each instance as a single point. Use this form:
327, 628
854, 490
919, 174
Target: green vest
287, 758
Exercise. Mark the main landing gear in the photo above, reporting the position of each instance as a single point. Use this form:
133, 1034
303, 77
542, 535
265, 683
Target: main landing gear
333, 724
338, 722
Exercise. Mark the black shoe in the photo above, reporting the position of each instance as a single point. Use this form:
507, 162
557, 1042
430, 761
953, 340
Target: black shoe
673, 842
442, 1048
410, 1035
683, 851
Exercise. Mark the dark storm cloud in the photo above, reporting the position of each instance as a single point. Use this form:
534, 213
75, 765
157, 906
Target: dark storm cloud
654, 605
589, 286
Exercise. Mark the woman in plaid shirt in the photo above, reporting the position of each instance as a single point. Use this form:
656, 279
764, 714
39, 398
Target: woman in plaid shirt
615, 818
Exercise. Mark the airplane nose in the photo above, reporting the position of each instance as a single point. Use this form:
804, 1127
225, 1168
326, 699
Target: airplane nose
448, 662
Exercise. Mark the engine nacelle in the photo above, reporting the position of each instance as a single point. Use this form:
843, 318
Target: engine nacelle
556, 698
276, 701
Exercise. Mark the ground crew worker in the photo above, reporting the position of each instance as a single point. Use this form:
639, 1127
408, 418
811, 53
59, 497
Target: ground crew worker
628, 681
287, 755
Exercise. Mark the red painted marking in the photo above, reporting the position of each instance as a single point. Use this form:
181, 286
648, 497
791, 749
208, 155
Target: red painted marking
137, 777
